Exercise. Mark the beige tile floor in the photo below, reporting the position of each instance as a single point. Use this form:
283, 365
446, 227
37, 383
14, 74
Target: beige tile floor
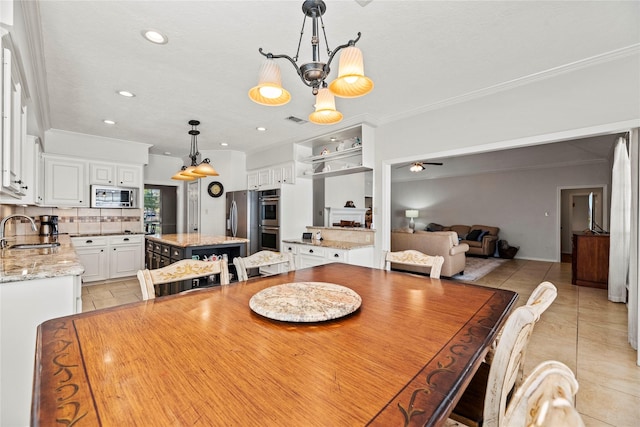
581, 329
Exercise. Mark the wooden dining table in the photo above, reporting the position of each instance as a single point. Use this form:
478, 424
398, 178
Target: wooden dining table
206, 358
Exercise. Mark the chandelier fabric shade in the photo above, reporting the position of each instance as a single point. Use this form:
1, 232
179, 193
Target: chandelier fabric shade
351, 81
326, 113
269, 91
195, 170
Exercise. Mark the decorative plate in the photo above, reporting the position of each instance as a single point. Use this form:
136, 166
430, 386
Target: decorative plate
305, 302
215, 189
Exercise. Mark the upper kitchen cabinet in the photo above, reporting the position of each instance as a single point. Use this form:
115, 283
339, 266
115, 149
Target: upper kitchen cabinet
115, 175
271, 178
13, 126
66, 182
345, 152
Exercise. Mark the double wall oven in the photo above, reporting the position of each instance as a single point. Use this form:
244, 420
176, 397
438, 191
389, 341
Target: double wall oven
269, 217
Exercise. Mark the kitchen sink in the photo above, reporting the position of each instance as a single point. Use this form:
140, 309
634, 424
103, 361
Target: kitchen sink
35, 245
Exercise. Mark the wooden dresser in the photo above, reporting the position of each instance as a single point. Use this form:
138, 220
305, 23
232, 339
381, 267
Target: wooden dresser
590, 260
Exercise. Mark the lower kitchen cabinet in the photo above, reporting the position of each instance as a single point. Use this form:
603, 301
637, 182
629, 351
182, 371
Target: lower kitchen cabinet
313, 255
109, 257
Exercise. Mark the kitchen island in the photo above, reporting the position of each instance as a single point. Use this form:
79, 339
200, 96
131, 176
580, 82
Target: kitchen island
36, 285
164, 249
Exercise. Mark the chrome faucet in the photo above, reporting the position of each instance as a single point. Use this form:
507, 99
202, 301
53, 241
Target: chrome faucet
3, 240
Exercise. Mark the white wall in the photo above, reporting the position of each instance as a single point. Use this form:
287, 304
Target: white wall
233, 176
522, 203
340, 189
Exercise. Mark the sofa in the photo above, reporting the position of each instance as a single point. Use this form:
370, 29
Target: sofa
480, 238
444, 243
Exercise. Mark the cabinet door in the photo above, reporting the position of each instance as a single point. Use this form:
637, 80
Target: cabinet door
129, 176
94, 260
125, 260
101, 173
265, 177
66, 183
11, 127
284, 174
252, 181
305, 261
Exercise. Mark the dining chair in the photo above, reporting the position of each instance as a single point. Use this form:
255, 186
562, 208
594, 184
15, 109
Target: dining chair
545, 398
413, 257
262, 259
484, 401
539, 300
180, 270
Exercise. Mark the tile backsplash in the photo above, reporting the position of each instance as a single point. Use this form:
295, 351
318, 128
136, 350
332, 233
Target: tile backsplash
77, 220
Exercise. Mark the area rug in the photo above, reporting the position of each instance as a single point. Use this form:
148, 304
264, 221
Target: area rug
476, 268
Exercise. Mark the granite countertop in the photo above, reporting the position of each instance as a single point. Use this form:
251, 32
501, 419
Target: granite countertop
28, 264
123, 233
194, 239
335, 227
333, 244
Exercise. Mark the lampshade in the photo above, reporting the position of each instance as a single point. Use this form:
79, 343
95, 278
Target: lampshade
417, 167
326, 113
351, 81
269, 90
411, 213
205, 168
190, 171
180, 177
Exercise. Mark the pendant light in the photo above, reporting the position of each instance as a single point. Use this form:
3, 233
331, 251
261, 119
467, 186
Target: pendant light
195, 170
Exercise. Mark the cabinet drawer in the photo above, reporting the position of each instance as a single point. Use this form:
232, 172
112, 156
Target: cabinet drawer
292, 249
176, 253
149, 245
125, 240
157, 247
334, 255
165, 250
314, 251
80, 242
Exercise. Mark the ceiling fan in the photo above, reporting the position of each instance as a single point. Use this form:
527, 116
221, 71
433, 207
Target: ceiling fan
418, 166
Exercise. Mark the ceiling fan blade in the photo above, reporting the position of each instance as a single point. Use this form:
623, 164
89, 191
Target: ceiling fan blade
432, 163
404, 165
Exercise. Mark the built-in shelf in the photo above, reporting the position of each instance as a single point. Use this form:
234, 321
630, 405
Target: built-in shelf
335, 155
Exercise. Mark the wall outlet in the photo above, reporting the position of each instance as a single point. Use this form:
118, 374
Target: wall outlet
367, 237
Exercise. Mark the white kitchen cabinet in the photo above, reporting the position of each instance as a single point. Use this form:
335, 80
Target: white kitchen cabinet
271, 178
109, 257
115, 174
66, 183
13, 123
125, 255
23, 306
93, 253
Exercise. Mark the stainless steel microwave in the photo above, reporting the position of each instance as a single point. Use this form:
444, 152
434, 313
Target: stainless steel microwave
113, 197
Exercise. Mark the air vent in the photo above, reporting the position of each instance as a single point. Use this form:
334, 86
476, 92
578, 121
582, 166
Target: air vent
296, 120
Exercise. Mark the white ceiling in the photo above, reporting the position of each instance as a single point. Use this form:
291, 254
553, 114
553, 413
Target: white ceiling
418, 53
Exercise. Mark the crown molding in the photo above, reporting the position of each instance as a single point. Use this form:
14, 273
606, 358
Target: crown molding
613, 55
31, 11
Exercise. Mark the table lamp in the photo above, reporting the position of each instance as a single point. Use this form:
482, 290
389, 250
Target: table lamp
411, 213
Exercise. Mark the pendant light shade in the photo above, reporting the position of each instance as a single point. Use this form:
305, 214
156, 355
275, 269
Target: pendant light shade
326, 113
190, 171
206, 169
351, 81
180, 177
269, 90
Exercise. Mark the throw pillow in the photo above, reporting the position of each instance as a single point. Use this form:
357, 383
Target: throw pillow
484, 233
473, 235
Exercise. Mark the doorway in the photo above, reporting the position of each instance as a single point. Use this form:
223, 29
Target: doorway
576, 214
160, 209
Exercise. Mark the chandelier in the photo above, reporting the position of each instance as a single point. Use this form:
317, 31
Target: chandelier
195, 170
351, 81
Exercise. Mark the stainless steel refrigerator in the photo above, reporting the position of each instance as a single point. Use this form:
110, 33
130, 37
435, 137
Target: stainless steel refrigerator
242, 217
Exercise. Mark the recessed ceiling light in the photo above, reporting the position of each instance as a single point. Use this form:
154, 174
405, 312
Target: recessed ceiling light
224, 144
126, 93
167, 153
108, 122
333, 139
261, 129
155, 36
